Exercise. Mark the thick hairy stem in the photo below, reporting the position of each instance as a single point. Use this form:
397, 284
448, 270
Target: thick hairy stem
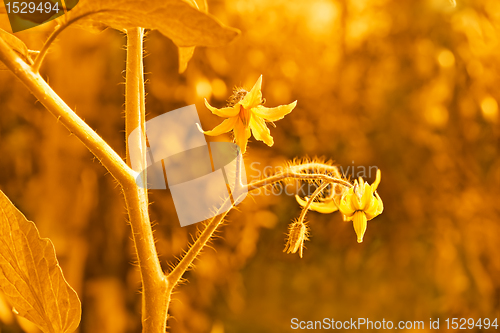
44, 93
154, 283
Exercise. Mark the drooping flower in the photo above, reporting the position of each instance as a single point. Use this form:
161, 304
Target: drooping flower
360, 203
246, 116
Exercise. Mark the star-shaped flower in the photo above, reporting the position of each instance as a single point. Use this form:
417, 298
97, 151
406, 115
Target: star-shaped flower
246, 116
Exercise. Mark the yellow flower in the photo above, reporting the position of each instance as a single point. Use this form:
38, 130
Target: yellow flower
298, 232
360, 204
246, 113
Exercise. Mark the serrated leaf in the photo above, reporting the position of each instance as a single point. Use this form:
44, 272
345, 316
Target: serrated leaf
180, 21
30, 276
16, 44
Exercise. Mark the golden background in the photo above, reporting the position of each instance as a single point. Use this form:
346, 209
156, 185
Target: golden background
408, 86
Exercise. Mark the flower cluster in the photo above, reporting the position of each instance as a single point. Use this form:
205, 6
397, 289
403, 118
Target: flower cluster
359, 204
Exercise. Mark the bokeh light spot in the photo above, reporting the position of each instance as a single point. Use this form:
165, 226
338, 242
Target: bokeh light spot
446, 58
219, 89
436, 115
203, 89
489, 108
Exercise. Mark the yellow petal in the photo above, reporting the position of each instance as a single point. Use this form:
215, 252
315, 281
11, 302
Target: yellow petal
224, 112
273, 114
254, 96
375, 209
366, 199
371, 211
223, 127
345, 206
241, 134
377, 181
260, 130
355, 200
326, 207
359, 223
380, 207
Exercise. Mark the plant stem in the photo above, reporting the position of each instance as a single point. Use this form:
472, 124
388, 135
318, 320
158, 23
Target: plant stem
293, 175
157, 288
182, 266
44, 93
310, 201
154, 283
294, 172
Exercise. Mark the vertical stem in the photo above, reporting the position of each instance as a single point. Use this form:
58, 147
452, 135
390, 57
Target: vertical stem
154, 282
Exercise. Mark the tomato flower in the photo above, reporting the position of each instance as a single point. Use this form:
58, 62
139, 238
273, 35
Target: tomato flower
360, 203
246, 116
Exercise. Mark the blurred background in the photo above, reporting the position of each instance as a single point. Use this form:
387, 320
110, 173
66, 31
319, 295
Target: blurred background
408, 86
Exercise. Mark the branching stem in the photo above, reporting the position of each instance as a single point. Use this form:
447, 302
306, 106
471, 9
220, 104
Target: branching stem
154, 281
292, 173
157, 287
155, 297
44, 93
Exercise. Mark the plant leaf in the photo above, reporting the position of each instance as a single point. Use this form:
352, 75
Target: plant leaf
16, 44
30, 276
179, 20
186, 53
